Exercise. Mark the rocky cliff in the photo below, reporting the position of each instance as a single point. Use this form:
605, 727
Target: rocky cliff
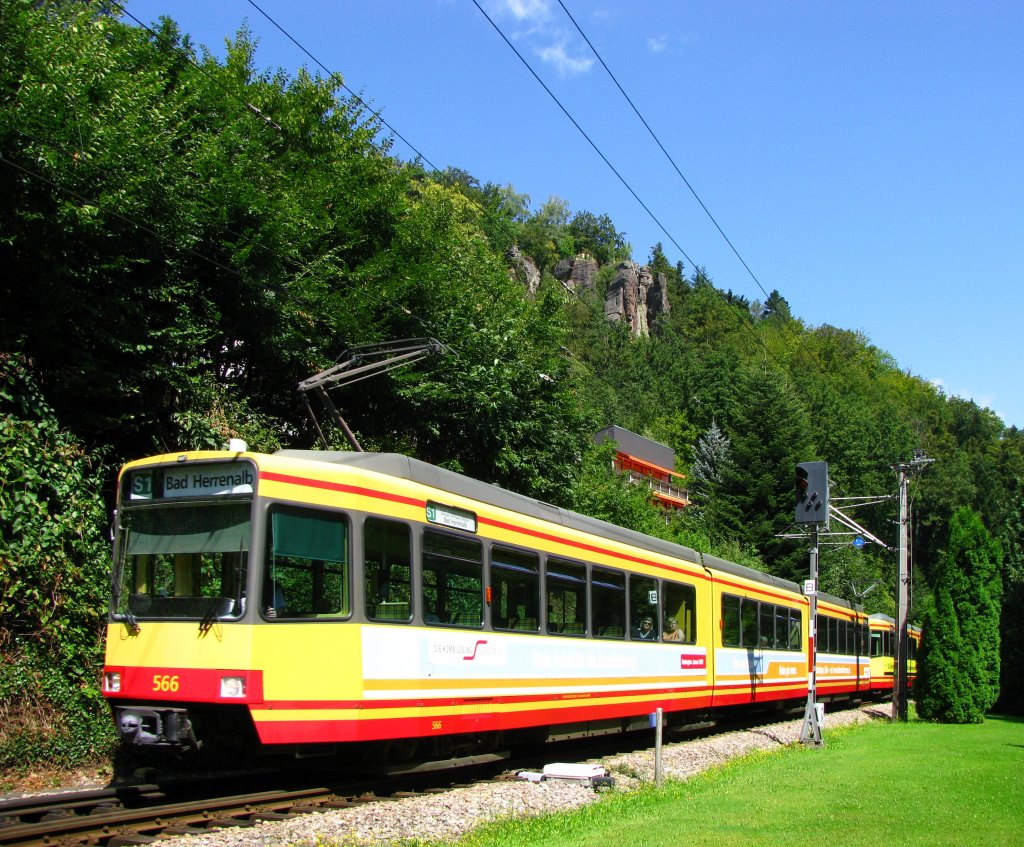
635, 297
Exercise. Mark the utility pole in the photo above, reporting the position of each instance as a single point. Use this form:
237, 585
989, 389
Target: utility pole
900, 681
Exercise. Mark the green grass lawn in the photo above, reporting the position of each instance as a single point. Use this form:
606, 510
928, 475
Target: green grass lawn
878, 784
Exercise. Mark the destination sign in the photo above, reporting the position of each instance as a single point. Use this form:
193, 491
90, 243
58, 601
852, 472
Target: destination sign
214, 480
451, 516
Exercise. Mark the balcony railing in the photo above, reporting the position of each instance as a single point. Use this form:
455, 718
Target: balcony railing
658, 486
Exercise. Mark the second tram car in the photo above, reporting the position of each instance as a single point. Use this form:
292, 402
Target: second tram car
883, 653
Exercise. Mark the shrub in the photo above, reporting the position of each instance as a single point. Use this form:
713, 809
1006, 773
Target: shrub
53, 584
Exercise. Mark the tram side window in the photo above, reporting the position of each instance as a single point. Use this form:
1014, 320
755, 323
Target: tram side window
730, 621
830, 635
608, 594
453, 583
767, 630
515, 590
876, 643
387, 572
643, 603
566, 597
680, 602
307, 564
782, 627
748, 622
795, 629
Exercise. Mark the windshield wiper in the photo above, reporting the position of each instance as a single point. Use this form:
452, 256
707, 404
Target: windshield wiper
210, 618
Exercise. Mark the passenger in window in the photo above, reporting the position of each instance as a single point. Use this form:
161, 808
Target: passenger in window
645, 632
672, 632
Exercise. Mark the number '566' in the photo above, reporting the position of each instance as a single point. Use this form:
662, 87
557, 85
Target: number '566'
165, 682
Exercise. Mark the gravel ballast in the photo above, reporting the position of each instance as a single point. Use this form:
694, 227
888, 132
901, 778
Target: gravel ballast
456, 812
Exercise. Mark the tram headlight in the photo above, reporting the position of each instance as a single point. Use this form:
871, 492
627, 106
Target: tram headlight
112, 681
232, 686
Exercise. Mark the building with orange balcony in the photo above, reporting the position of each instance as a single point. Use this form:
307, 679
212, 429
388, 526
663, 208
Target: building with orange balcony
647, 463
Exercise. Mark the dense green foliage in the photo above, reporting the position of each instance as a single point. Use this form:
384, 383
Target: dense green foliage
53, 566
958, 671
184, 239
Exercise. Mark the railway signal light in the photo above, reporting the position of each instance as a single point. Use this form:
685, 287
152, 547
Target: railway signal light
812, 492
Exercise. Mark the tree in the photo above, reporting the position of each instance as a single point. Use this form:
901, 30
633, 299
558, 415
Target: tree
544, 235
596, 235
958, 671
769, 434
711, 461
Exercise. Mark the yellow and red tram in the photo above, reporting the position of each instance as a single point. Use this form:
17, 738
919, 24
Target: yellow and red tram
883, 653
317, 598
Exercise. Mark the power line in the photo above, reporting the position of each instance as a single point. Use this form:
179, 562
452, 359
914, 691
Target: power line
91, 202
336, 76
662, 148
622, 179
377, 115
683, 177
582, 131
565, 111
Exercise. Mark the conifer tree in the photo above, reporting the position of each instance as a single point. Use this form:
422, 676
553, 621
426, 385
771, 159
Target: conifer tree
712, 459
958, 671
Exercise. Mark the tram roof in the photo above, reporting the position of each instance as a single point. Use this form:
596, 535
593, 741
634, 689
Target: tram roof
405, 467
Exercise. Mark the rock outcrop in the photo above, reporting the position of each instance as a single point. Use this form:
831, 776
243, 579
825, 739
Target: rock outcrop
636, 296
579, 274
522, 267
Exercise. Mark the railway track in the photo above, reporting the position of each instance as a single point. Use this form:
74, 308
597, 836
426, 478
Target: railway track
143, 813
117, 817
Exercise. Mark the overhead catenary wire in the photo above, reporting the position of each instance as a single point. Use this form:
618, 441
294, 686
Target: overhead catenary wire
682, 176
376, 114
661, 146
336, 76
622, 179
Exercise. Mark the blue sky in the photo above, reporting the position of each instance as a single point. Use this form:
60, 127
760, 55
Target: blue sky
865, 158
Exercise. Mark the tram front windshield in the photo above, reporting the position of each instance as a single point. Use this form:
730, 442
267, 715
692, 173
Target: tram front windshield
183, 561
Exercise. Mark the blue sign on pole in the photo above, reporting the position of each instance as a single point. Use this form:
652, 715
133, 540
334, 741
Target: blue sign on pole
859, 542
